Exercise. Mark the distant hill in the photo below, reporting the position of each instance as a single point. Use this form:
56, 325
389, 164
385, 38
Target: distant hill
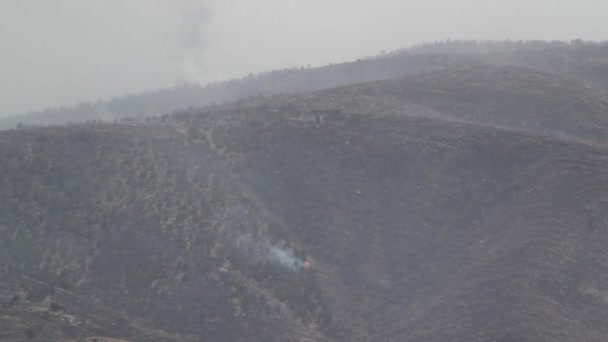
509, 97
584, 61
501, 96
456, 204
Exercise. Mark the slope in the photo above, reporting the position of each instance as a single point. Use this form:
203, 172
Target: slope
134, 219
418, 228
509, 97
427, 232
504, 96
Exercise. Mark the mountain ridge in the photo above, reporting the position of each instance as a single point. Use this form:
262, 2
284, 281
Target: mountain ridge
584, 61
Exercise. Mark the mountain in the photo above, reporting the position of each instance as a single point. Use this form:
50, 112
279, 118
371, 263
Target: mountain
508, 97
457, 204
500, 96
584, 61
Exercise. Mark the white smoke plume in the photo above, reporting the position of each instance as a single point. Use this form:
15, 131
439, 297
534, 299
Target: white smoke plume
192, 71
193, 46
285, 257
242, 224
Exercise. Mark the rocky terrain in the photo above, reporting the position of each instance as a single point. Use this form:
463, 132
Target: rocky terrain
462, 204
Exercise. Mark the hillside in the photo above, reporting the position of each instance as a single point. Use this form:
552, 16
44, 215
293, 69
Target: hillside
130, 218
509, 97
501, 96
584, 61
423, 220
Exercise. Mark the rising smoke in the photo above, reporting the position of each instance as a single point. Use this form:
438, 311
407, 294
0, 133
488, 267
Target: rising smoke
192, 44
285, 257
244, 228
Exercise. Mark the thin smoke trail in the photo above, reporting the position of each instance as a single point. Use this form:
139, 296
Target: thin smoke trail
285, 257
254, 247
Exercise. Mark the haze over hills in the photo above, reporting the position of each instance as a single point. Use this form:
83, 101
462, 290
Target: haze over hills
461, 202
510, 97
584, 61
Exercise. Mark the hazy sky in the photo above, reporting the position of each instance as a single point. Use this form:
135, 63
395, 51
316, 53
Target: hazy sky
56, 52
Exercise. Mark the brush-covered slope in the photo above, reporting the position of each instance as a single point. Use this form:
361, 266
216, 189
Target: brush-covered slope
427, 232
510, 97
134, 219
417, 228
502, 96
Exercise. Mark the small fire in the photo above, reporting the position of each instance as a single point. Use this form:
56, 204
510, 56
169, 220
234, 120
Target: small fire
307, 264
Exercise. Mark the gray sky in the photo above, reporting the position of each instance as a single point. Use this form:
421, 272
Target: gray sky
60, 52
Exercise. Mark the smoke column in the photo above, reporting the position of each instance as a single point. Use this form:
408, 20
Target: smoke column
239, 220
285, 257
192, 43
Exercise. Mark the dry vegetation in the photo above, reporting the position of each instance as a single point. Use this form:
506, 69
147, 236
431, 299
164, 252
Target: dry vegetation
449, 205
